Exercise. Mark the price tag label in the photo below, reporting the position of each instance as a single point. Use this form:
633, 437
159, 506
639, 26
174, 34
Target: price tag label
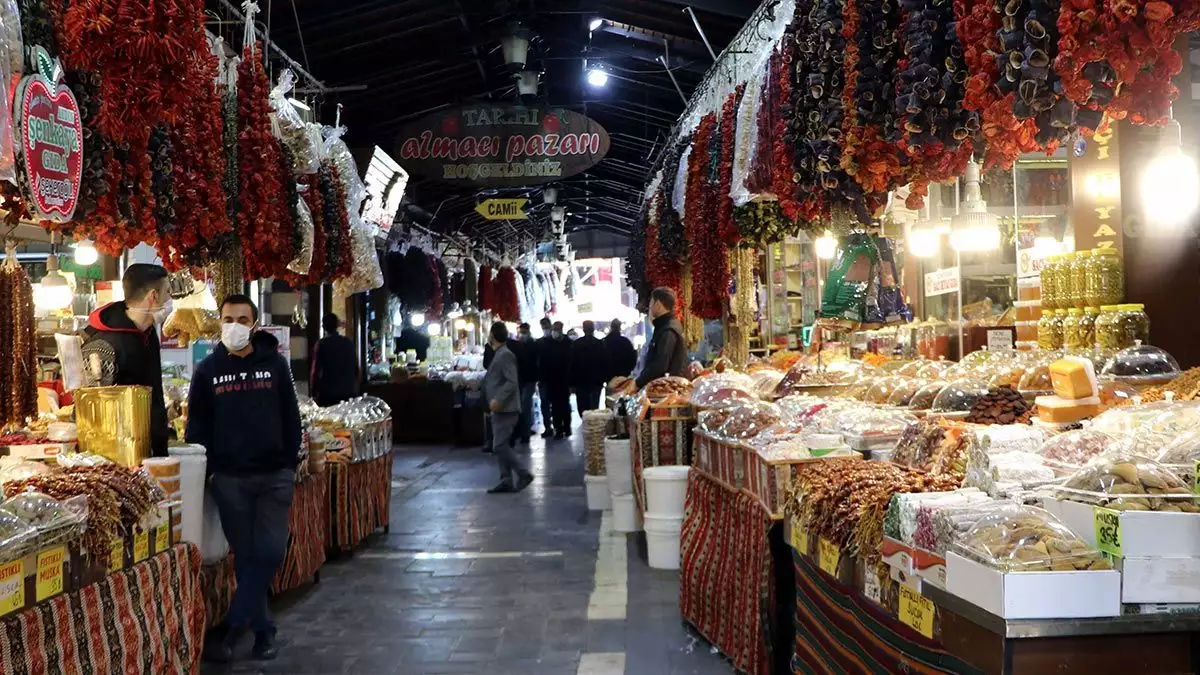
799, 537
829, 556
141, 546
871, 587
916, 611
12, 586
50, 573
116, 555
1108, 530
162, 537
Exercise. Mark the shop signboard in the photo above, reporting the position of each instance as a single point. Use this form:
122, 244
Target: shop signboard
49, 140
1096, 193
503, 209
385, 181
489, 145
941, 282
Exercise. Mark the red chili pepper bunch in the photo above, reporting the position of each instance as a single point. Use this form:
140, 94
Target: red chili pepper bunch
338, 254
710, 259
198, 164
869, 153
504, 295
263, 221
661, 270
487, 288
727, 229
316, 207
758, 178
781, 139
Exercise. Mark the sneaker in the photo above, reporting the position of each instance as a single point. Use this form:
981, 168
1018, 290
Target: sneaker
548, 434
264, 646
501, 489
524, 482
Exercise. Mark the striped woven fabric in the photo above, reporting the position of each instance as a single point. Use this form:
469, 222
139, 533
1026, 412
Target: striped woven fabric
725, 576
218, 581
360, 501
839, 631
146, 619
308, 529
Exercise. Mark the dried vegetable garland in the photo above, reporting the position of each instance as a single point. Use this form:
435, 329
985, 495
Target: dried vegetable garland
263, 221
709, 260
785, 136
672, 241
660, 270
18, 344
727, 229
337, 223
763, 222
635, 258
869, 151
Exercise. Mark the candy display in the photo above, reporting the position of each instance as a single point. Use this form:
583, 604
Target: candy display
925, 529
1129, 483
1074, 449
1028, 539
933, 446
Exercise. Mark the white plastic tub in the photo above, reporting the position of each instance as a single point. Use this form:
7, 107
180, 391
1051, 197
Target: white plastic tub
598, 498
662, 541
666, 489
625, 514
618, 465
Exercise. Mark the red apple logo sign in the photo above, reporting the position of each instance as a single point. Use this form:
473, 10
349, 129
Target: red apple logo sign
50, 134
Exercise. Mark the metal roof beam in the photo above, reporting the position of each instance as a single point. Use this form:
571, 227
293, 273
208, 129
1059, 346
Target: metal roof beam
737, 9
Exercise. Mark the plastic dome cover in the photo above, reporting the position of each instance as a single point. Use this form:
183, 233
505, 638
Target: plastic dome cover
1074, 449
1129, 419
749, 419
1036, 380
934, 370
858, 390
718, 388
870, 422
1183, 450
1125, 482
1019, 538
959, 396
881, 391
927, 394
766, 381
903, 394
1142, 364
912, 368
977, 357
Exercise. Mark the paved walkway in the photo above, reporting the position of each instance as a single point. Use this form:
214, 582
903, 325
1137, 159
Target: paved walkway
529, 584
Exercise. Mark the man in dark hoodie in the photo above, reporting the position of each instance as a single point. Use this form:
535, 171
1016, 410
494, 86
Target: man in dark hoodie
335, 371
622, 357
667, 353
121, 345
589, 368
554, 370
242, 407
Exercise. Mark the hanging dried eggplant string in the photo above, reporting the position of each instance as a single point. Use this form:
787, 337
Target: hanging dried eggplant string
18, 344
161, 170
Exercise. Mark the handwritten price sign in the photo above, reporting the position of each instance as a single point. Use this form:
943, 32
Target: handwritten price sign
1108, 531
799, 537
916, 611
50, 572
12, 586
829, 556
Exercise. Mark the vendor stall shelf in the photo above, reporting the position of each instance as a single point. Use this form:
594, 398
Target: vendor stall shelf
360, 499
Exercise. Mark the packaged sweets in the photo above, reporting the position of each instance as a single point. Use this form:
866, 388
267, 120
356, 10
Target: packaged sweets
1019, 538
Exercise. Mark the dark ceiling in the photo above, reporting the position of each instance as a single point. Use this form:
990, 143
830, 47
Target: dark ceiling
390, 62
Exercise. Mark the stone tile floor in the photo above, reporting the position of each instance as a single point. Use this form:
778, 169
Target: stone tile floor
467, 582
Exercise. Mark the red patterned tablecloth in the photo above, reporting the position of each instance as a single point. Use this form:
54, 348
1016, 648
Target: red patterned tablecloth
360, 501
726, 575
219, 581
308, 527
146, 619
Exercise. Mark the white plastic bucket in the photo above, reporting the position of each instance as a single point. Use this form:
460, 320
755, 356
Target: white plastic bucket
666, 489
192, 467
662, 541
618, 465
625, 514
598, 498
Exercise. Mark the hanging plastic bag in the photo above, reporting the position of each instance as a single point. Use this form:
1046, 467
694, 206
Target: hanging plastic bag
366, 274
291, 128
213, 544
304, 226
12, 40
851, 291
12, 64
347, 170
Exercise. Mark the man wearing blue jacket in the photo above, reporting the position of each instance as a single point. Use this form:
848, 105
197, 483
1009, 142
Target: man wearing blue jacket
242, 408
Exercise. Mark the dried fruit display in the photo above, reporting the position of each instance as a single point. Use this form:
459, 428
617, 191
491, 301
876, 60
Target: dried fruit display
1129, 483
1001, 405
18, 344
1019, 538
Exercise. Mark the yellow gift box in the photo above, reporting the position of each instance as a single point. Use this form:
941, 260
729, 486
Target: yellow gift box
114, 422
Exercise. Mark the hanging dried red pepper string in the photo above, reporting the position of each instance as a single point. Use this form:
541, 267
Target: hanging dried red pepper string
263, 222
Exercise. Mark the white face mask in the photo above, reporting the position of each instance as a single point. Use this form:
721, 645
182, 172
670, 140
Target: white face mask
161, 314
235, 336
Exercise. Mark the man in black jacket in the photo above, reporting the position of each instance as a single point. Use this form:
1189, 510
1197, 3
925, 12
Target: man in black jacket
554, 372
539, 349
121, 344
622, 357
242, 407
527, 372
667, 354
589, 368
335, 368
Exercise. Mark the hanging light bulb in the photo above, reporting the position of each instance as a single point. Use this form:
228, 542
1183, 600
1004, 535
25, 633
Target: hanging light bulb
418, 319
527, 82
826, 246
1170, 183
973, 228
924, 240
515, 46
53, 293
597, 77
596, 23
85, 253
434, 329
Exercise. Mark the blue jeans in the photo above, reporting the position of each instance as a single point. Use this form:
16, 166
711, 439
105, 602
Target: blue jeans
254, 514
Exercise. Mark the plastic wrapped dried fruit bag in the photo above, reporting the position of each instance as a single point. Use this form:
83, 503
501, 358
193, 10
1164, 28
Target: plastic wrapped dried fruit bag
1129, 483
766, 381
1074, 449
1019, 538
17, 537
55, 521
751, 418
720, 388
711, 421
656, 390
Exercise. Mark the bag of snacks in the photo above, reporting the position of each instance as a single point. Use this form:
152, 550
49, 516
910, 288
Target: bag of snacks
721, 388
1020, 538
17, 537
1129, 483
292, 129
56, 522
750, 418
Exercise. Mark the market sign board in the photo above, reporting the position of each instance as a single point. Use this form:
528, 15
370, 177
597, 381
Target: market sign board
503, 209
385, 181
486, 145
50, 141
941, 282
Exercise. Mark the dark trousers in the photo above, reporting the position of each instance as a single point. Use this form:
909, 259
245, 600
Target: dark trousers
560, 406
254, 514
504, 427
525, 425
587, 398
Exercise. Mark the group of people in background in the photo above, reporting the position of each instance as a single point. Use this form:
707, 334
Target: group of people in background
554, 365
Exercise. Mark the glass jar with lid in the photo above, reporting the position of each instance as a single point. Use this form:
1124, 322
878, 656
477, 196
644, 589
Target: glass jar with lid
1078, 279
1106, 327
1087, 327
1104, 278
1070, 329
1050, 290
1133, 324
1050, 335
1062, 279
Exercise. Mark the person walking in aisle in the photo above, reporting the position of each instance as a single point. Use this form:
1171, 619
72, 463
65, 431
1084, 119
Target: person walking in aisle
121, 345
242, 408
554, 369
502, 391
589, 368
667, 352
540, 350
527, 373
335, 371
622, 357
